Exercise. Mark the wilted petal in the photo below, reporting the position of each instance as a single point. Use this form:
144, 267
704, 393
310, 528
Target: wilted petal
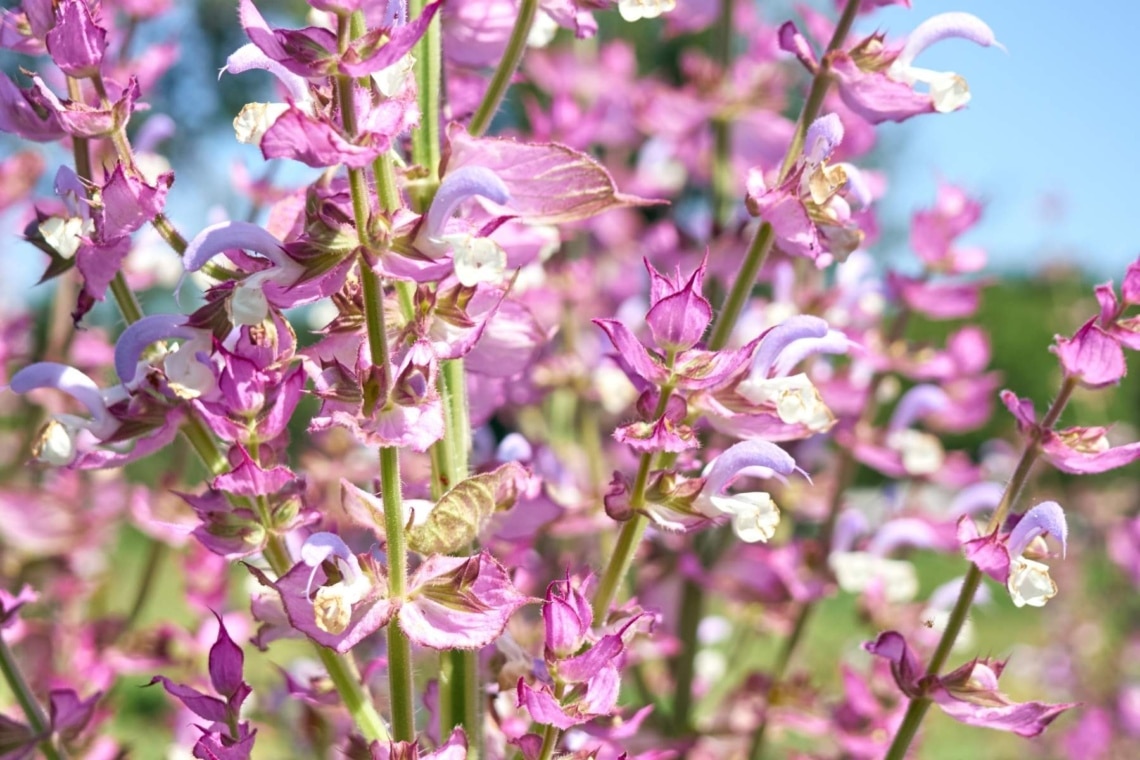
905, 666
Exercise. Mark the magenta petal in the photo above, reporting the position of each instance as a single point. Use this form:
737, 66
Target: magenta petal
368, 615
632, 352
586, 665
459, 602
249, 479
18, 117
316, 143
1022, 410
68, 713
129, 202
1084, 461
678, 321
905, 666
989, 553
1091, 356
1026, 719
76, 43
225, 662
401, 40
875, 96
1047, 518
548, 183
544, 709
207, 707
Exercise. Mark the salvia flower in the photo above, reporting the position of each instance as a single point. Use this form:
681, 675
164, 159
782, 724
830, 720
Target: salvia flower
809, 211
477, 258
58, 441
754, 514
877, 81
969, 694
1013, 557
1076, 450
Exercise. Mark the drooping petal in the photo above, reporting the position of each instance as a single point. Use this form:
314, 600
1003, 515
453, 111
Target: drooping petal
917, 403
953, 25
72, 382
141, 334
1047, 518
782, 336
458, 186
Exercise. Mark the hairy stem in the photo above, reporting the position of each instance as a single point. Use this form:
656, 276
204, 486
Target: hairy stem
501, 80
426, 138
917, 708
37, 721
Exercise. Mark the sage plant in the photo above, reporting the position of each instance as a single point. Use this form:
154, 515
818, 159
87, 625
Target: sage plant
564, 373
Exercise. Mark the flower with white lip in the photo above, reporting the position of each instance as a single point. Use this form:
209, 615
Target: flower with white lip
948, 91
922, 453
476, 258
856, 572
754, 515
65, 234
332, 604
255, 119
1029, 583
57, 442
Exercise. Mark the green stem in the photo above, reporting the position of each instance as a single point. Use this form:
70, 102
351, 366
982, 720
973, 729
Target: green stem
549, 742
762, 242
722, 124
742, 286
819, 86
32, 710
917, 708
633, 529
154, 557
692, 609
509, 63
426, 138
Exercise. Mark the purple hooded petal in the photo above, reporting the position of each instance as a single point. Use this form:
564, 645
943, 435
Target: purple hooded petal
250, 56
910, 531
458, 186
917, 403
225, 662
783, 335
225, 236
976, 498
1047, 518
141, 334
72, 382
742, 456
834, 342
953, 25
823, 137
850, 524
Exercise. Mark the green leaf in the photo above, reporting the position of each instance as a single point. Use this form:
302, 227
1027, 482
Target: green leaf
463, 512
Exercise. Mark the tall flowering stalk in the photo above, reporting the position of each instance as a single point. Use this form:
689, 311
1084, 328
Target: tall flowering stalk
399, 369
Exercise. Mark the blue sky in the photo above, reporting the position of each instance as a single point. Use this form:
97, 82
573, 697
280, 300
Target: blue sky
1048, 139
